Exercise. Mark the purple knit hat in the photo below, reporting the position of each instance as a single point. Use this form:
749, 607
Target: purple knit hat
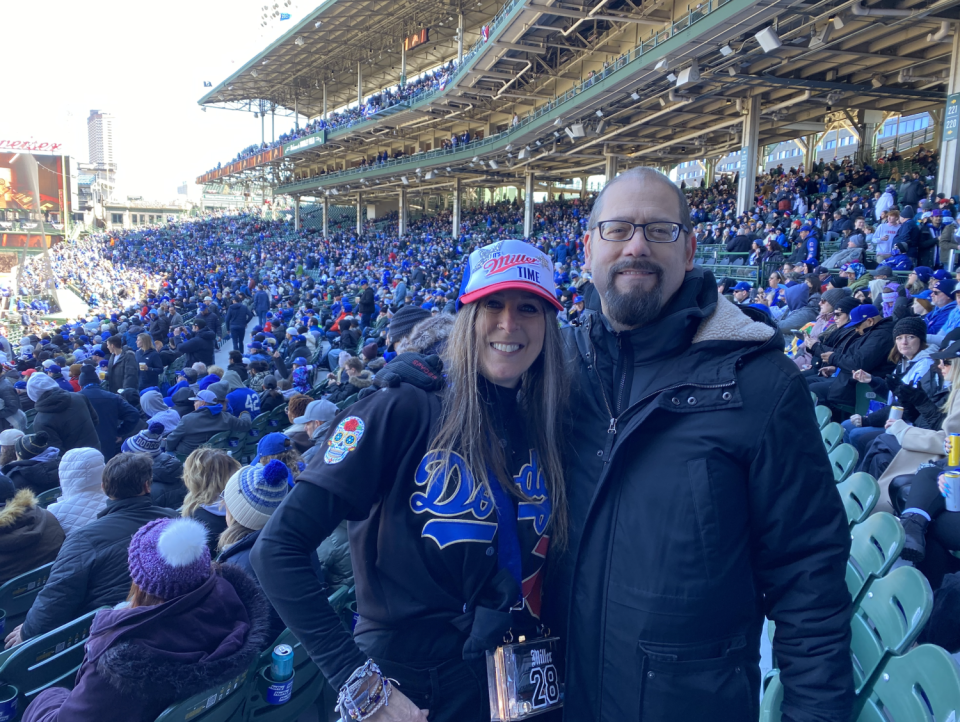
170, 557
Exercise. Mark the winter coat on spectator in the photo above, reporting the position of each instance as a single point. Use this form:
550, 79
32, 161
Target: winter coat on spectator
334, 555
239, 555
150, 377
261, 302
115, 417
197, 428
354, 386
10, 399
91, 569
948, 241
911, 192
81, 498
214, 517
139, 661
199, 348
159, 327
867, 351
797, 318
238, 315
168, 489
123, 371
39, 474
69, 419
29, 536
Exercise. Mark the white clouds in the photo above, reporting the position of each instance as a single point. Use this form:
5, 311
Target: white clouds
145, 63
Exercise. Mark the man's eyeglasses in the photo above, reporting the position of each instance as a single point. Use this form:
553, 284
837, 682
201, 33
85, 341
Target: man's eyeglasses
656, 232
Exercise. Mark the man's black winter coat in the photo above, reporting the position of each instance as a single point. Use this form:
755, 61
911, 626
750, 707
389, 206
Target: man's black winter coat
91, 569
69, 420
199, 348
115, 418
701, 500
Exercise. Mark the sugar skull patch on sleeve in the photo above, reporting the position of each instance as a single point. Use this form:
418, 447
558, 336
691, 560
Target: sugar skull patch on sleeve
343, 440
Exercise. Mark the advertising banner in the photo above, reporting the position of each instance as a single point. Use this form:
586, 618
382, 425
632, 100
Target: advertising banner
16, 193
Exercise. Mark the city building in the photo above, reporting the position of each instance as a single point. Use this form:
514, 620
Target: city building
102, 161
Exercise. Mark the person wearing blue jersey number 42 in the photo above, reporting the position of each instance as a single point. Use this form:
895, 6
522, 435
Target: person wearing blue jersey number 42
455, 495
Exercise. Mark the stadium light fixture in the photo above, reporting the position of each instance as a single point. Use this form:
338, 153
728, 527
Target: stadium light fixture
726, 50
599, 113
876, 81
298, 41
475, 159
558, 121
768, 39
220, 96
448, 169
429, 175
264, 62
731, 70
662, 65
672, 78
318, 23
404, 180
230, 87
509, 146
523, 154
837, 22
635, 95
254, 73
494, 164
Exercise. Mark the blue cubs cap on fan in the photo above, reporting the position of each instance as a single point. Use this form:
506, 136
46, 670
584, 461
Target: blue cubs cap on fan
508, 265
742, 286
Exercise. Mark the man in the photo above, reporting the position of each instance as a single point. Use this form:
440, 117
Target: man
741, 293
123, 370
68, 418
685, 532
316, 422
941, 295
91, 569
365, 305
200, 347
116, 419
206, 421
261, 304
238, 315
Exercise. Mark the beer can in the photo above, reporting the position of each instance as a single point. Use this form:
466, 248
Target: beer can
282, 665
896, 413
952, 490
953, 459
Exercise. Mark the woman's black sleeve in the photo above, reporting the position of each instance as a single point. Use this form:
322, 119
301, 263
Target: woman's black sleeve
282, 561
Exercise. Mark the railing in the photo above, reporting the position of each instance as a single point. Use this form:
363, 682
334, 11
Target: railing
691, 18
908, 140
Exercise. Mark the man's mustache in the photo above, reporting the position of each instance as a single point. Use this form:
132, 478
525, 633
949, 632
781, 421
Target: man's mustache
636, 264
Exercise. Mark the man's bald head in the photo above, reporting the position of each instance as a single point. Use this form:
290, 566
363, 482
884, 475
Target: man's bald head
642, 175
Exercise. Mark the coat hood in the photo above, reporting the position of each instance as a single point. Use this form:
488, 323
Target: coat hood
16, 510
796, 296
362, 380
160, 651
151, 401
429, 336
55, 401
81, 470
233, 381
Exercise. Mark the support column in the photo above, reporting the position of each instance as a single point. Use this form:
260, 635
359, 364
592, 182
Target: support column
273, 124
867, 123
749, 154
709, 170
583, 187
459, 38
948, 179
324, 102
296, 113
326, 217
457, 201
296, 213
359, 85
402, 222
359, 213
809, 151
528, 205
403, 65
610, 168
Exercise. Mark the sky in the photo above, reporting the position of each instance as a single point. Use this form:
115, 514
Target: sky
145, 63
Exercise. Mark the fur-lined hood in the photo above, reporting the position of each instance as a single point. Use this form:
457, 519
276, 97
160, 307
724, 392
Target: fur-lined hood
729, 323
362, 380
429, 336
149, 665
16, 510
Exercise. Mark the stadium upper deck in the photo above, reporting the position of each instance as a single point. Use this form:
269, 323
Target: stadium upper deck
550, 90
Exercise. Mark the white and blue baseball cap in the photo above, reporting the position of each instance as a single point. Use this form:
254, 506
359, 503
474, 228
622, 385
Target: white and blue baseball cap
508, 265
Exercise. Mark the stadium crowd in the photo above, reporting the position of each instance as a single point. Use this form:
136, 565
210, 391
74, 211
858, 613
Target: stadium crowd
430, 82
128, 413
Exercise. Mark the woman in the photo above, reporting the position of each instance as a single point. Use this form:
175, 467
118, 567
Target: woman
156, 411
823, 324
931, 535
923, 446
29, 536
922, 304
295, 408
188, 626
8, 448
912, 361
756, 253
279, 447
82, 497
420, 461
250, 497
205, 474
74, 373
150, 363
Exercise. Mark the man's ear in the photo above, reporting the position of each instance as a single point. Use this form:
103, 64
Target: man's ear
586, 252
691, 249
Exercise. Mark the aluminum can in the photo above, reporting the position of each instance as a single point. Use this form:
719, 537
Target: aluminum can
281, 668
953, 459
896, 413
952, 491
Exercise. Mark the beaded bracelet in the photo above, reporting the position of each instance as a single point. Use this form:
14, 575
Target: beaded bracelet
360, 704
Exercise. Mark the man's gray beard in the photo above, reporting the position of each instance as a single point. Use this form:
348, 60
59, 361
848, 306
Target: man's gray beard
638, 308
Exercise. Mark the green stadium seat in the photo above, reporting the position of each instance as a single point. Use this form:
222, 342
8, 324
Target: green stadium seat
47, 497
223, 703
17, 595
349, 401
888, 620
843, 459
823, 415
874, 547
50, 660
923, 685
860, 493
832, 435
308, 684
815, 398
772, 698
225, 440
